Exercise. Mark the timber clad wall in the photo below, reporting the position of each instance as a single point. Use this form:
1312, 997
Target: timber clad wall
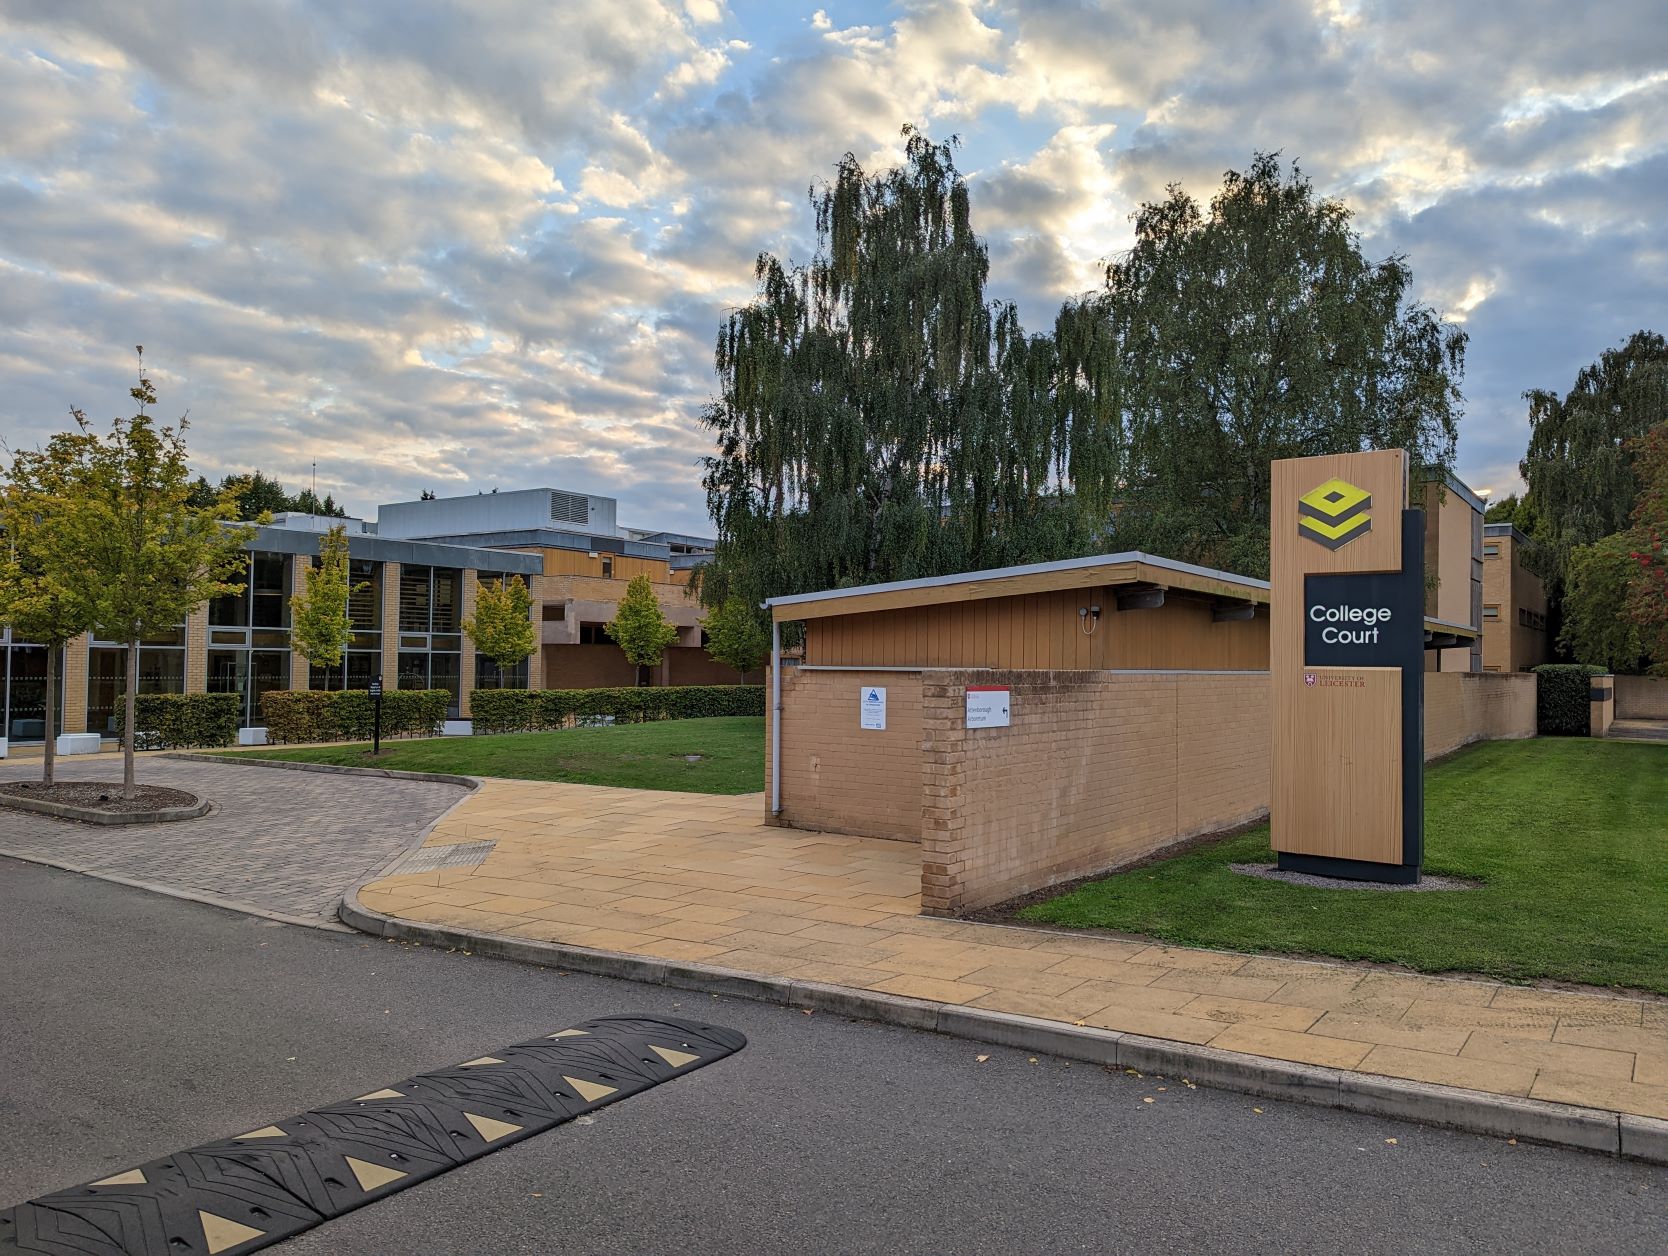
1041, 630
1641, 698
837, 776
1097, 769
1462, 707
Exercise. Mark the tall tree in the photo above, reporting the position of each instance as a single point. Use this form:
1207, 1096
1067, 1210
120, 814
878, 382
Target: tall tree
1580, 467
155, 558
256, 494
320, 623
1245, 331
1598, 586
502, 625
639, 627
878, 417
44, 580
1648, 603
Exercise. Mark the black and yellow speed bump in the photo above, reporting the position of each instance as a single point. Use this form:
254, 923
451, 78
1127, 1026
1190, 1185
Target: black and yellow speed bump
257, 1188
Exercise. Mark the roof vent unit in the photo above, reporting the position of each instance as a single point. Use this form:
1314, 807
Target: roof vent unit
570, 508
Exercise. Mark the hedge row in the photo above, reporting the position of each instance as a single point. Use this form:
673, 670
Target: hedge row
183, 721
524, 711
1561, 698
302, 715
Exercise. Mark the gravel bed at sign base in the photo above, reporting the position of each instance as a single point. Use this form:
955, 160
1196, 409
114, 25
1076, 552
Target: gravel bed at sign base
101, 795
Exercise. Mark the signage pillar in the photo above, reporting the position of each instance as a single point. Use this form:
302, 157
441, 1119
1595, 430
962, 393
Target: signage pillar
376, 716
1346, 668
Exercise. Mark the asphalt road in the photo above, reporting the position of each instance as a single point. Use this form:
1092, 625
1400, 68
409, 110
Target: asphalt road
133, 1025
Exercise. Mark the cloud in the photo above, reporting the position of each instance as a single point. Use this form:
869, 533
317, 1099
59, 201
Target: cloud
453, 244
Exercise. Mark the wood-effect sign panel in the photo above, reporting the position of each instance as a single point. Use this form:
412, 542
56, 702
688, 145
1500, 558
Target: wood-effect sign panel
1346, 666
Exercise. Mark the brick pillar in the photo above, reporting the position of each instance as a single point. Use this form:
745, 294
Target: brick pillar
390, 626
300, 564
943, 774
196, 651
466, 663
74, 681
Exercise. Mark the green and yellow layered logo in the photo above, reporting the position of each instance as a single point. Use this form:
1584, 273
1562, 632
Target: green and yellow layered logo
1334, 513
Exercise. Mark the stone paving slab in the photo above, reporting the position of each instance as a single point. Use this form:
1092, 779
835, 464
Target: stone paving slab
696, 878
285, 842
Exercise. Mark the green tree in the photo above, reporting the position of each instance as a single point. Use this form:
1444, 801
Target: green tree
1579, 467
256, 494
1245, 331
1648, 601
320, 623
1510, 509
1598, 587
639, 627
153, 557
878, 417
502, 625
735, 635
307, 502
44, 583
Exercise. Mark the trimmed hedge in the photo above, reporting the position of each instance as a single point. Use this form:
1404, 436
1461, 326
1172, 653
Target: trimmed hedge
183, 721
303, 715
524, 711
1561, 698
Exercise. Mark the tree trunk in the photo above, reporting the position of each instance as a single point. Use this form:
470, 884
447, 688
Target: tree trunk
130, 701
49, 743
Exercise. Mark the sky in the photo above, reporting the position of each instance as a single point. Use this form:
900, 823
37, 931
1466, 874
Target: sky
452, 245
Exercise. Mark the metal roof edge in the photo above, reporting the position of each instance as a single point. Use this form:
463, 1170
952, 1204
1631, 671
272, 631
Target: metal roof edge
1027, 569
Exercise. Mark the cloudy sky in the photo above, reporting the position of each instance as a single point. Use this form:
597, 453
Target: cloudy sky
458, 244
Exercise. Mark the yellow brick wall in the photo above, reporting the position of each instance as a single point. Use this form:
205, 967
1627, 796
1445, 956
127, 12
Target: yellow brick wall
300, 669
1096, 769
1463, 707
196, 654
75, 685
466, 664
839, 777
1641, 698
390, 626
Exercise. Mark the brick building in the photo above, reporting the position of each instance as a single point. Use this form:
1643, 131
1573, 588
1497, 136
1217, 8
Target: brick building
1514, 604
420, 564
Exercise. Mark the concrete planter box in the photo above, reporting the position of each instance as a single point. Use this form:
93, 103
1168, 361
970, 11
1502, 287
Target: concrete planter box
458, 728
251, 736
79, 743
3, 747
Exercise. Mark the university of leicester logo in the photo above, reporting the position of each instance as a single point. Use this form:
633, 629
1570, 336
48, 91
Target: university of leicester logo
1334, 513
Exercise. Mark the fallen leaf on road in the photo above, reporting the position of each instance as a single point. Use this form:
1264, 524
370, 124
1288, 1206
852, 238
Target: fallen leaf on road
1391, 1141
1511, 1142
1079, 1022
981, 1058
1164, 1088
1147, 1099
1258, 1111
809, 1011
1033, 1059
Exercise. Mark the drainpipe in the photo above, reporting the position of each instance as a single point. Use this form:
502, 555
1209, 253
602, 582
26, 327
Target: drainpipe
776, 717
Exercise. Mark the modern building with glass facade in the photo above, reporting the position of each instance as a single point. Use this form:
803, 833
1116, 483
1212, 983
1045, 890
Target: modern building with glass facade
415, 574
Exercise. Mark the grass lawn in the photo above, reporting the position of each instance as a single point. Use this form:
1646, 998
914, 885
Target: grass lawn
1569, 837
632, 756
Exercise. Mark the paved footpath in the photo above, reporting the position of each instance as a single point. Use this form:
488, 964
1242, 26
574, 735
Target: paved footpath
702, 879
277, 841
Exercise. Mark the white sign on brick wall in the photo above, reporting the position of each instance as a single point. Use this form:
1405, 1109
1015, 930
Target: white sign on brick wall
987, 706
871, 705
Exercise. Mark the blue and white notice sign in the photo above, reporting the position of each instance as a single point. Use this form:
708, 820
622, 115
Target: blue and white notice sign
872, 707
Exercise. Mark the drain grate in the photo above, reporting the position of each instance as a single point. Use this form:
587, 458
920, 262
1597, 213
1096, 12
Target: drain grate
241, 1194
434, 858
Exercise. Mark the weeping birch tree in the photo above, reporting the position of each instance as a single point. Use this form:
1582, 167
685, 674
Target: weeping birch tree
879, 418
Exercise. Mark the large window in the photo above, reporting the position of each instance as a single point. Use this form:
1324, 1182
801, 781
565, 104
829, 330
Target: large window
488, 675
249, 635
23, 691
430, 644
363, 657
161, 670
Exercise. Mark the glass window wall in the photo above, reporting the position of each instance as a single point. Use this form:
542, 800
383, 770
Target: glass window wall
363, 658
249, 635
23, 691
430, 647
161, 670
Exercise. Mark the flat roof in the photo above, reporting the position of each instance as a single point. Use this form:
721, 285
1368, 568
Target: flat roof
1129, 567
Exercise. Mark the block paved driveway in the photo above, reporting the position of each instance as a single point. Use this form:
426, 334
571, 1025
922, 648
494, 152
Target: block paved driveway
278, 840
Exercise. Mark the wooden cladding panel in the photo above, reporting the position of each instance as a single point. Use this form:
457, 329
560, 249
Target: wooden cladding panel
560, 562
1042, 631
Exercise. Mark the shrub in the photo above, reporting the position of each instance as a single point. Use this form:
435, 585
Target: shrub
299, 715
1561, 698
519, 711
178, 721
348, 715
